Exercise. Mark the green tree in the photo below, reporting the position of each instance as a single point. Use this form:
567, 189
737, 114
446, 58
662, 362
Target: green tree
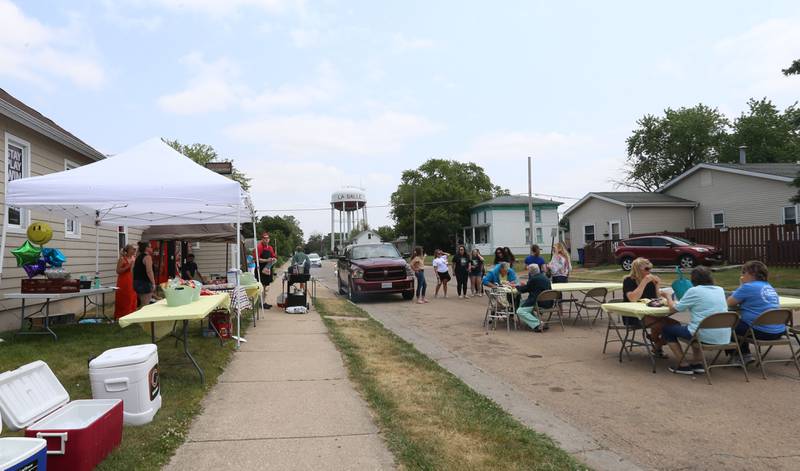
285, 233
793, 69
445, 192
661, 148
769, 134
203, 154
386, 233
314, 243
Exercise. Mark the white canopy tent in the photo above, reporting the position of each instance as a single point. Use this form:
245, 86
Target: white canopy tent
150, 184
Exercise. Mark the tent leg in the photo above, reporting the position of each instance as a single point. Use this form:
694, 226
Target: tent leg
238, 278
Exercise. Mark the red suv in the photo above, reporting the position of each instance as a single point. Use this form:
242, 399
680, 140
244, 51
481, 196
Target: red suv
665, 250
374, 269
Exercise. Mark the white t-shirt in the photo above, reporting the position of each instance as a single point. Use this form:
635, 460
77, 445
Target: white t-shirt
440, 264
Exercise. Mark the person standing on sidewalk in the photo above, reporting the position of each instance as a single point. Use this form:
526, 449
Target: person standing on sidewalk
442, 272
266, 258
461, 269
476, 272
418, 267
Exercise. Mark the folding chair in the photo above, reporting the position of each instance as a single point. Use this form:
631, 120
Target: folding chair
716, 321
498, 308
555, 297
591, 301
773, 316
795, 332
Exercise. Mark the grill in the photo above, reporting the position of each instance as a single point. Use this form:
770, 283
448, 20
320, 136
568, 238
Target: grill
380, 274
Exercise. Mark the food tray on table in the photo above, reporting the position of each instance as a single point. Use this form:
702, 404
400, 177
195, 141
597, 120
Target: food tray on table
220, 286
42, 285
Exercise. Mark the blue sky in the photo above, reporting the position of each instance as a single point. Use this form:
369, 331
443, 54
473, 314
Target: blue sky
310, 96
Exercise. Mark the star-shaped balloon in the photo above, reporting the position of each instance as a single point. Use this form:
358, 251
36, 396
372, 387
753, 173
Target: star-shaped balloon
34, 269
55, 257
26, 254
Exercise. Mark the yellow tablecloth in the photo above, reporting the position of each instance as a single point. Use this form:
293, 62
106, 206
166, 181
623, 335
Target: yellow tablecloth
639, 310
252, 290
569, 287
160, 312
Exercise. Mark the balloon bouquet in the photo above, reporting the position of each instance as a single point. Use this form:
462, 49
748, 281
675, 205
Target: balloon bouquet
36, 260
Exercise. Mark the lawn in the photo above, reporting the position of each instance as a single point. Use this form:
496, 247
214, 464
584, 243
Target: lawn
729, 279
144, 447
430, 418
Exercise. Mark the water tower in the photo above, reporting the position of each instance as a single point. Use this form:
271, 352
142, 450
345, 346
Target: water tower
351, 205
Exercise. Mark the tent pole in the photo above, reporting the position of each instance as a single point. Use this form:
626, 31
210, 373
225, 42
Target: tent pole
97, 244
239, 276
3, 238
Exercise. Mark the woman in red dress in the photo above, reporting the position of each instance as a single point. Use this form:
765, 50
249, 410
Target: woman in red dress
126, 301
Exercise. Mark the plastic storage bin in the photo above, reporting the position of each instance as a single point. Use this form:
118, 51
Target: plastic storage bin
79, 434
23, 454
178, 296
130, 374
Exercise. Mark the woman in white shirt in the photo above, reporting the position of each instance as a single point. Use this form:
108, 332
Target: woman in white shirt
442, 272
560, 264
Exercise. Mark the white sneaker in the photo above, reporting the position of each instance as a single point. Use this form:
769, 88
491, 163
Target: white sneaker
747, 357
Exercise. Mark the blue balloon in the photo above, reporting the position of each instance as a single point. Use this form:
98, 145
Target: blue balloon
55, 257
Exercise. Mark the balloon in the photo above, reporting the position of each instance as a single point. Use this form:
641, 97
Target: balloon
33, 269
26, 254
55, 257
40, 232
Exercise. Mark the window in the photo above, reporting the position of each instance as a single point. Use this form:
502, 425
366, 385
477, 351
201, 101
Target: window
718, 220
614, 230
527, 215
790, 215
658, 242
484, 217
588, 234
122, 232
641, 242
537, 215
18, 163
539, 236
72, 227
527, 236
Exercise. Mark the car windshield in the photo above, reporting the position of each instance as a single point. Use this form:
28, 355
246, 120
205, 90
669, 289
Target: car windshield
679, 241
360, 252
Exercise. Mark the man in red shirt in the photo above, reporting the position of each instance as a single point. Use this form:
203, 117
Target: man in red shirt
266, 257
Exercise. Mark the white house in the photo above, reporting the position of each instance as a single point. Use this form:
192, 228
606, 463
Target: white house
505, 222
365, 237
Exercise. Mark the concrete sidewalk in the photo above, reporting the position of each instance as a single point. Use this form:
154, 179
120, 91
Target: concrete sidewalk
284, 402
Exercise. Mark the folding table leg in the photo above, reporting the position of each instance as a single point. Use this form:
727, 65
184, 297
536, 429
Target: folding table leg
188, 354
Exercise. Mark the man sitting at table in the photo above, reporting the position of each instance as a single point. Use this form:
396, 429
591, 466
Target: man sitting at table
702, 300
537, 283
753, 297
189, 269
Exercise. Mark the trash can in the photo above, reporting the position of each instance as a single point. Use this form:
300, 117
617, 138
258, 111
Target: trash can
18, 454
581, 255
130, 374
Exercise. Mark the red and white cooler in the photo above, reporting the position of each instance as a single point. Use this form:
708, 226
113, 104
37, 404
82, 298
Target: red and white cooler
79, 434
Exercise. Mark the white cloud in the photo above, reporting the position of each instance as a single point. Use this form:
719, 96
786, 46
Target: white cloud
402, 43
304, 37
218, 85
114, 13
213, 87
30, 50
223, 8
308, 134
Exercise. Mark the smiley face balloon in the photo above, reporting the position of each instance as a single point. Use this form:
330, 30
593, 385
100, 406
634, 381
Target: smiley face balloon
40, 232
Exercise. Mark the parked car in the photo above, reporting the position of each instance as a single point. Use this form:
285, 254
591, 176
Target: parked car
665, 250
315, 259
373, 269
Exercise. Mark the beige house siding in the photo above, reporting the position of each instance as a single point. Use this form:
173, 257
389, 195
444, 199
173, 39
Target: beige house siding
744, 200
651, 219
211, 257
47, 156
599, 213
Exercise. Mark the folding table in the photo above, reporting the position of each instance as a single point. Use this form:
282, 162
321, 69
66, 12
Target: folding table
44, 309
160, 312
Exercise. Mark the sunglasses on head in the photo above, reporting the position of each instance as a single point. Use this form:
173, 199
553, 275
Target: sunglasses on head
648, 268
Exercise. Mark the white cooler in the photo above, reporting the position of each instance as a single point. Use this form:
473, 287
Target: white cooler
130, 374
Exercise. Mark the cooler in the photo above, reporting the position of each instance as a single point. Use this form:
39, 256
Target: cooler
79, 434
23, 454
130, 374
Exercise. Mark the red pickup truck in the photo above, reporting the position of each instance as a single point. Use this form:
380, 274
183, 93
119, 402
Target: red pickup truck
373, 269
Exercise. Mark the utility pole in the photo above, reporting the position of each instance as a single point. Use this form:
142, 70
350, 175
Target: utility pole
530, 201
414, 199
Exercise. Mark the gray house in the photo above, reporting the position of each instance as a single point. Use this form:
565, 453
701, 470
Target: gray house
706, 196
617, 215
732, 195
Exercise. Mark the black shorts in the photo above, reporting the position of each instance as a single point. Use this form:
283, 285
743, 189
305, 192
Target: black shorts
444, 276
142, 286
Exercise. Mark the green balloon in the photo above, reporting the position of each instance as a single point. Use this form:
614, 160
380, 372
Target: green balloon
27, 253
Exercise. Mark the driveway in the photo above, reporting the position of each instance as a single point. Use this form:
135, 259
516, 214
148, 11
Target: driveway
658, 421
